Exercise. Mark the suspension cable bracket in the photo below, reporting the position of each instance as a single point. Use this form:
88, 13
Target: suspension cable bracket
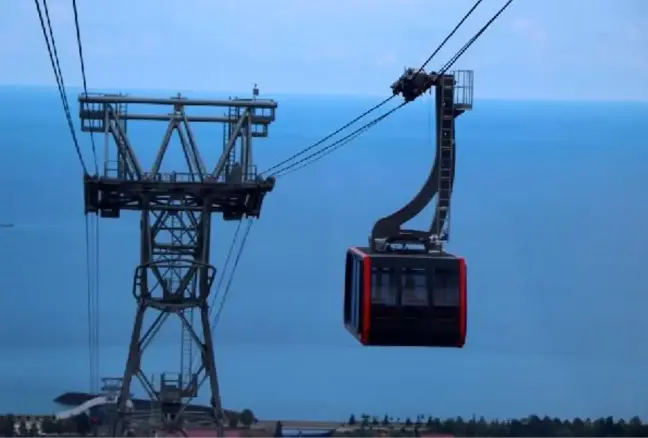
453, 96
413, 83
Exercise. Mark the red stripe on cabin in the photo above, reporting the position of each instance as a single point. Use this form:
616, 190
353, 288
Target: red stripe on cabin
463, 299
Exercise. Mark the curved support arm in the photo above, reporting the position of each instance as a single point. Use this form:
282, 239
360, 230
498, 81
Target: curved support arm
388, 229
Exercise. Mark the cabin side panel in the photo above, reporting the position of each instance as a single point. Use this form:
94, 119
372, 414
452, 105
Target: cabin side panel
354, 303
463, 301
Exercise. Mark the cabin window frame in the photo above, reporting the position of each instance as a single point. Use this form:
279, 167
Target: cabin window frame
354, 292
412, 273
445, 295
348, 288
355, 295
396, 293
388, 287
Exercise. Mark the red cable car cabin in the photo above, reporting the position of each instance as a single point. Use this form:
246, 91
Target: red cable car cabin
405, 300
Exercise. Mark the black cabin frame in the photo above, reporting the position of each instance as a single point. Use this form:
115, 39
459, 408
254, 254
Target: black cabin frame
429, 323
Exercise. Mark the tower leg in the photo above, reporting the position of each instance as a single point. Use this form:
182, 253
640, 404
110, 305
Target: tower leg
132, 367
174, 278
210, 369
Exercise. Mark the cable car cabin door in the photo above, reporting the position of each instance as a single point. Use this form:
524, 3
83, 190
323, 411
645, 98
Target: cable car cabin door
356, 294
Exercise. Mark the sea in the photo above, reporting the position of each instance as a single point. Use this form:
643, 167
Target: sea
550, 211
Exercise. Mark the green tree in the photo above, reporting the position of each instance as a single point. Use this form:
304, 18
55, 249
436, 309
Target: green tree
482, 426
82, 424
33, 429
70, 425
233, 419
533, 425
385, 421
278, 429
247, 418
352, 420
374, 421
9, 425
563, 431
408, 422
22, 427
48, 425
59, 426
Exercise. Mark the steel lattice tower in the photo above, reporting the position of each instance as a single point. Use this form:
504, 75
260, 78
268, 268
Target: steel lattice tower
175, 274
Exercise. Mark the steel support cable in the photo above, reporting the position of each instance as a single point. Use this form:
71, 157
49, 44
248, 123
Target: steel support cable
92, 332
221, 277
50, 42
470, 42
228, 257
93, 274
83, 77
374, 108
97, 296
246, 233
317, 155
94, 307
334, 133
56, 67
450, 35
214, 322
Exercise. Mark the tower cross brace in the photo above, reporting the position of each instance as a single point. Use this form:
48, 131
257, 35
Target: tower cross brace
174, 275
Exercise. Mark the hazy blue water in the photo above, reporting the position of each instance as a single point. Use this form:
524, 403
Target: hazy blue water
551, 209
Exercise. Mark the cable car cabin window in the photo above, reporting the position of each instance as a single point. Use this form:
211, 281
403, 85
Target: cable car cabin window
445, 289
398, 287
383, 287
353, 290
414, 288
355, 293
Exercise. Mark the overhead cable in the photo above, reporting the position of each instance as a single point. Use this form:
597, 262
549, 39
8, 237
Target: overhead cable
364, 114
319, 154
93, 260
56, 67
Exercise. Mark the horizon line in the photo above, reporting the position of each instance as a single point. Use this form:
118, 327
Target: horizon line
79, 90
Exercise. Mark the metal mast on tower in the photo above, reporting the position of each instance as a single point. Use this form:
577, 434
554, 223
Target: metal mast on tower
175, 275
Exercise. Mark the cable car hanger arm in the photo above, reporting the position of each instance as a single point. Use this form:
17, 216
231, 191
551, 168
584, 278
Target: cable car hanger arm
387, 230
411, 85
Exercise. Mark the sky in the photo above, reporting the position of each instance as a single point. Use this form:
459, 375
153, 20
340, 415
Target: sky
549, 49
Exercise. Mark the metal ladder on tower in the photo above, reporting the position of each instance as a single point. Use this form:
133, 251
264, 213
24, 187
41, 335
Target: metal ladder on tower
186, 366
122, 109
187, 342
234, 113
119, 113
446, 144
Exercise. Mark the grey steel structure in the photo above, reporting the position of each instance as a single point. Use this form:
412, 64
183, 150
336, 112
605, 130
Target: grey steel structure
453, 96
175, 275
